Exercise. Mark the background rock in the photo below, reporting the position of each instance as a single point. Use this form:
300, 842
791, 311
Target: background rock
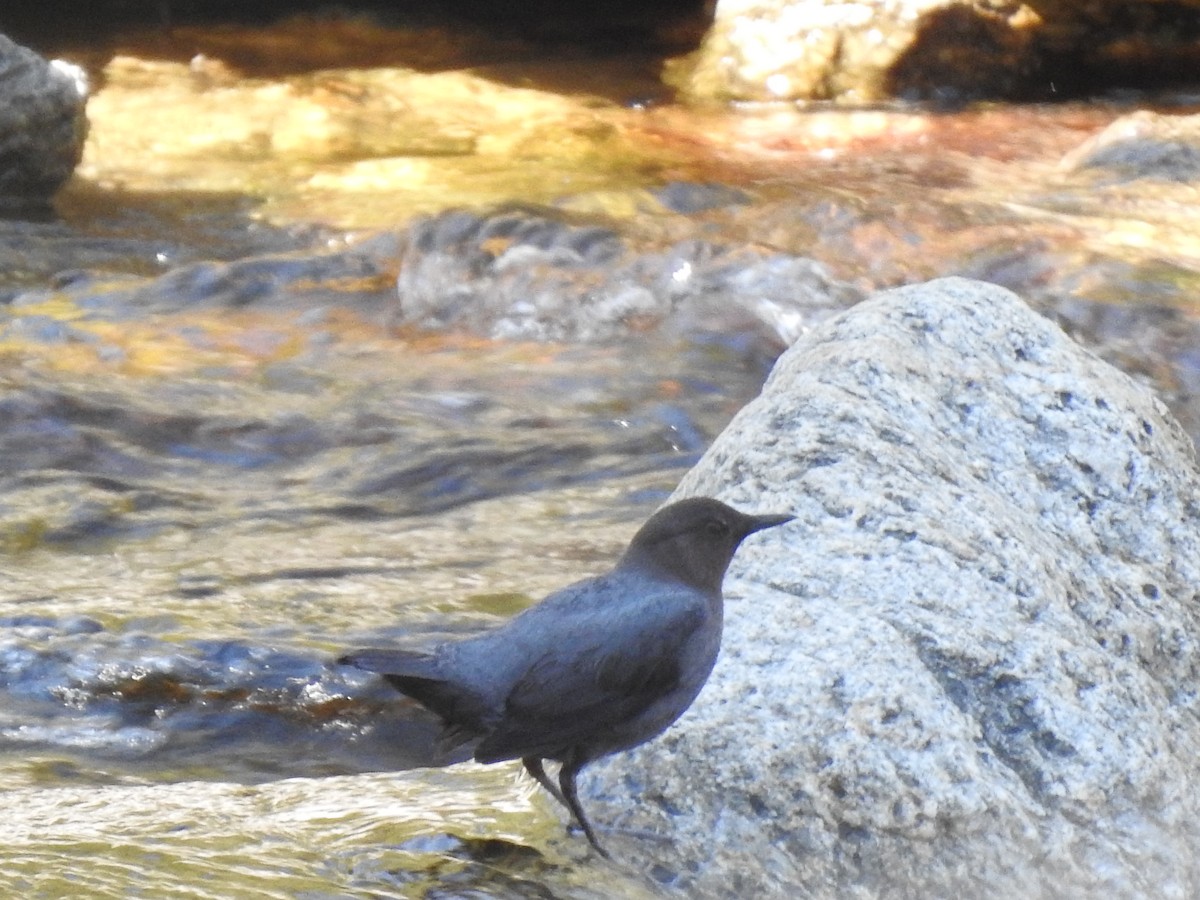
1144, 144
935, 49
969, 668
825, 49
42, 124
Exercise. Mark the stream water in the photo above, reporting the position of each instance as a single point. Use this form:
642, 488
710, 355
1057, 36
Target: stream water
233, 447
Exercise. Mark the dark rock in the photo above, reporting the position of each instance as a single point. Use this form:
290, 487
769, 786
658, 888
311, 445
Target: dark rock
42, 124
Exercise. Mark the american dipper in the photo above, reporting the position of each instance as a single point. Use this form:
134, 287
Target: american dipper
600, 666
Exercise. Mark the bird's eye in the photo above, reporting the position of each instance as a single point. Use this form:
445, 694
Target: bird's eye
716, 528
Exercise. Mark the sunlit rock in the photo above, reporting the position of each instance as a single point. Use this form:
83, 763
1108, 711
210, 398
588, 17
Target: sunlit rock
864, 50
856, 51
362, 146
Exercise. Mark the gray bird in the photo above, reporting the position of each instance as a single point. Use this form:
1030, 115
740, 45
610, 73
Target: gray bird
600, 666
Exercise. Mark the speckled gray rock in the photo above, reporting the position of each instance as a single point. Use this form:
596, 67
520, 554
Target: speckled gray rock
969, 669
42, 124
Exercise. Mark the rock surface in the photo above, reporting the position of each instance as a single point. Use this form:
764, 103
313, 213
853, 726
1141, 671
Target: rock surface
42, 124
858, 51
865, 50
970, 667
1143, 144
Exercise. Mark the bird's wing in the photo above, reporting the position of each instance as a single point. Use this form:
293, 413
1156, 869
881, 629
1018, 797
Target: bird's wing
599, 669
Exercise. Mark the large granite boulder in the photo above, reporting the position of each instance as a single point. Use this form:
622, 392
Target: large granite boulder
42, 124
970, 668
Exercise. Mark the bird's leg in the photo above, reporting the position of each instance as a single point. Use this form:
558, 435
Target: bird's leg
566, 780
533, 765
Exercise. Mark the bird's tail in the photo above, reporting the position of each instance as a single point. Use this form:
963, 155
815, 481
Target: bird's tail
392, 662
416, 674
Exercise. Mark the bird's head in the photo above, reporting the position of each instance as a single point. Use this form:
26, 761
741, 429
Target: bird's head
694, 540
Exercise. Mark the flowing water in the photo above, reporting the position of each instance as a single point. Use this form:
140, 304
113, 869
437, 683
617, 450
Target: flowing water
231, 452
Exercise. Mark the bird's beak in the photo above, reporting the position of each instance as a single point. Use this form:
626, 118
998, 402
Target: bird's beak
768, 521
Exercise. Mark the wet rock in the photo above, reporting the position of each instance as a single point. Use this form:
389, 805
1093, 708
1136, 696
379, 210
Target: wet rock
42, 124
688, 197
970, 668
231, 708
1143, 145
530, 275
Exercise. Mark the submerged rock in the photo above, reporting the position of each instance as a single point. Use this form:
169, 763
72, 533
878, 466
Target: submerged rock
1143, 145
970, 668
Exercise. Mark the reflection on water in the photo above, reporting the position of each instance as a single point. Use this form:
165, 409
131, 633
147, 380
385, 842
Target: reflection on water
459, 832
